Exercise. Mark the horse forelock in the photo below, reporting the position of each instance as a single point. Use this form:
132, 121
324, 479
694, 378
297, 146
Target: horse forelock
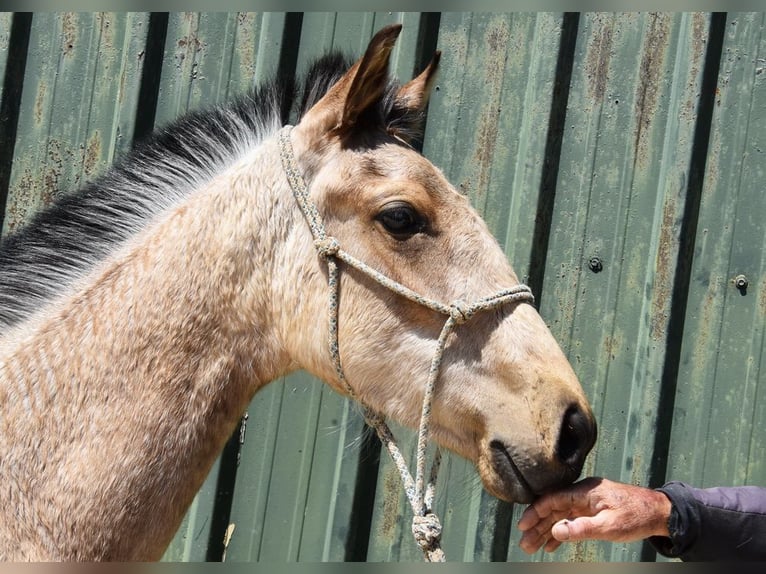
62, 242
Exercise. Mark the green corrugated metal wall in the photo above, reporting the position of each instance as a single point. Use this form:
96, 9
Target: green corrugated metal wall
636, 139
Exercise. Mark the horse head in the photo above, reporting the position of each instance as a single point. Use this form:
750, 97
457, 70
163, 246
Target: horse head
506, 397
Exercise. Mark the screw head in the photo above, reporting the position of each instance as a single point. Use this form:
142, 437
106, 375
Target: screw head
741, 282
595, 264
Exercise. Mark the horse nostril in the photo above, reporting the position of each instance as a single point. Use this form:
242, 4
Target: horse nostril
578, 433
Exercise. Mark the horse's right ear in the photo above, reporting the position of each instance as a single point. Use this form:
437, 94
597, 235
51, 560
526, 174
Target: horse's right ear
357, 91
414, 94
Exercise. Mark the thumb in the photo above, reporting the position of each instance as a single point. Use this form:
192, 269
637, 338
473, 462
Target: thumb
580, 528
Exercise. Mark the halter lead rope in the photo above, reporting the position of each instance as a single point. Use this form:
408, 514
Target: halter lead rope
426, 527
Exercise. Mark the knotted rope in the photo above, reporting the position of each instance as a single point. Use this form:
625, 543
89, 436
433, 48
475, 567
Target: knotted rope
426, 527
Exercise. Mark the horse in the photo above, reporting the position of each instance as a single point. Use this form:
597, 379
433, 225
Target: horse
141, 313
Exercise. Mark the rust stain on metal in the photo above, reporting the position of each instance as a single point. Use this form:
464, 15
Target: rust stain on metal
107, 31
597, 60
188, 46
68, 33
698, 42
391, 491
655, 46
496, 39
92, 154
106, 45
42, 89
190, 42
52, 172
664, 266
20, 200
612, 345
705, 326
246, 35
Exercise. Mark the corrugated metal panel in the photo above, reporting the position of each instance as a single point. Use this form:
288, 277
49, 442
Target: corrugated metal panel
576, 135
719, 403
621, 191
78, 104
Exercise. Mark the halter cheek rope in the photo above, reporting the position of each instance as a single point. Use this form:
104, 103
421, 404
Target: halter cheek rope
426, 527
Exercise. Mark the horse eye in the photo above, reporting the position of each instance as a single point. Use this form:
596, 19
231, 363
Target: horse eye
401, 220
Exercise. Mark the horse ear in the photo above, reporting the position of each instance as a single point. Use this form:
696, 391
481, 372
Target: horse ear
357, 90
413, 96
371, 76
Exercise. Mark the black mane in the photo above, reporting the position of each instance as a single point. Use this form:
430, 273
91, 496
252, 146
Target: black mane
64, 240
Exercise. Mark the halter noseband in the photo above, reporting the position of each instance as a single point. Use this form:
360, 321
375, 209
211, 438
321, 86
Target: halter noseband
425, 525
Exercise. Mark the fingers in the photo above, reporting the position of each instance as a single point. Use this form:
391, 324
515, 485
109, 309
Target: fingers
536, 530
547, 512
532, 540
552, 503
529, 518
573, 500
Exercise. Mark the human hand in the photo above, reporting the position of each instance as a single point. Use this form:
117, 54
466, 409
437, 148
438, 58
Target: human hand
594, 508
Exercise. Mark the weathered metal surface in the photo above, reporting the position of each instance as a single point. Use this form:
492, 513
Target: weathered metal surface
78, 104
579, 138
621, 191
211, 57
719, 412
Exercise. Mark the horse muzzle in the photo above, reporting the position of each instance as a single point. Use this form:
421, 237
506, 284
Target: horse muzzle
517, 474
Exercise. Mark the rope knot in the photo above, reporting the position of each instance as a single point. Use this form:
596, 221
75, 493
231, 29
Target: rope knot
427, 531
460, 311
327, 247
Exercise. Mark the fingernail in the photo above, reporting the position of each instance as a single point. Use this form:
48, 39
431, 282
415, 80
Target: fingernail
560, 530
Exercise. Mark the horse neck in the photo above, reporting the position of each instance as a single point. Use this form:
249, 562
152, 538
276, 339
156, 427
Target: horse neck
119, 397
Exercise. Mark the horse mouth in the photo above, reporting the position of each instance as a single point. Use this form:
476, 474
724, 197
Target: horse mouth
516, 487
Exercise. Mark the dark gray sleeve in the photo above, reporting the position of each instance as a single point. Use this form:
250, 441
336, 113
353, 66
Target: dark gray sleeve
722, 523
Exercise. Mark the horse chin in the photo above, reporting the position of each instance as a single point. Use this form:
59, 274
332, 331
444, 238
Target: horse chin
502, 477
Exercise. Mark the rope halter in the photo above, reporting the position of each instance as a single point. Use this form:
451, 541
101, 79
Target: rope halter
426, 527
